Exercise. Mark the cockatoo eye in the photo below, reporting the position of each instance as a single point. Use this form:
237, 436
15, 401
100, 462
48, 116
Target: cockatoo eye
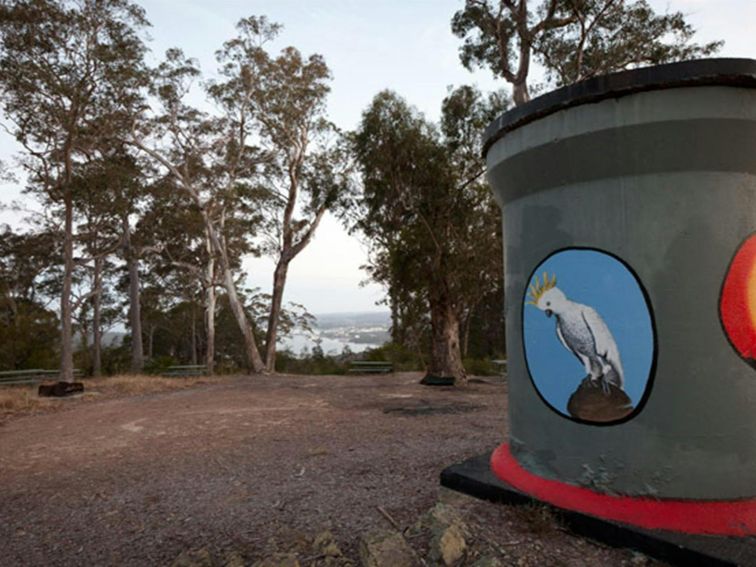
548, 303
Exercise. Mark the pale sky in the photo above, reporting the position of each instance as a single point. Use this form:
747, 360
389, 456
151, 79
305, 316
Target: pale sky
369, 45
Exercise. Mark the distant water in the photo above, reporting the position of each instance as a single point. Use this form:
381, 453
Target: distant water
297, 343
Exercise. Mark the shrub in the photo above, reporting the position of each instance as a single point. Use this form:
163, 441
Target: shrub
400, 356
159, 364
316, 363
480, 367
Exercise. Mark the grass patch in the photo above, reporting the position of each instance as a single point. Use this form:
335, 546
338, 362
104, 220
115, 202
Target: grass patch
18, 399
23, 399
141, 384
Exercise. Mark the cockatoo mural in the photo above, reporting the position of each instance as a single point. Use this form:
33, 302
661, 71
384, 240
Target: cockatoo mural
582, 331
599, 367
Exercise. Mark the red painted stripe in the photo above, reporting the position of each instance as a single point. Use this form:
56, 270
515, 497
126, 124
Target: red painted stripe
720, 517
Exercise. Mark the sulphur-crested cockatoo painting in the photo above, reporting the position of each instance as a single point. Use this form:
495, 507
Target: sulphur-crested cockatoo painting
582, 331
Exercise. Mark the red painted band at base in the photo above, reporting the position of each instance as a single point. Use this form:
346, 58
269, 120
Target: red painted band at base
720, 517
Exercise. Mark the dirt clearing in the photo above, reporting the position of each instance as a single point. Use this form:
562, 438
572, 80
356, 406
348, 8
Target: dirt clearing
252, 465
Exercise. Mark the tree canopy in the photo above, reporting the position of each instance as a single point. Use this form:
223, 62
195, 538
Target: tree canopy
70, 77
153, 198
571, 39
432, 225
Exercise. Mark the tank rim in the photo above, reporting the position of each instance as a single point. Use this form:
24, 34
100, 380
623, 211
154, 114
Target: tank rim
734, 72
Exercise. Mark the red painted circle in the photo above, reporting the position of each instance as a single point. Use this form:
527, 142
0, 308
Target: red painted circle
737, 304
719, 517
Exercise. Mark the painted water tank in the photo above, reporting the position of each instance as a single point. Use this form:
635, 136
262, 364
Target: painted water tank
629, 215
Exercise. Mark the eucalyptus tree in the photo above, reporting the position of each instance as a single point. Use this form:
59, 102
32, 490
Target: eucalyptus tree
572, 39
132, 250
179, 251
28, 274
70, 72
107, 189
98, 242
465, 113
210, 160
427, 213
282, 98
172, 306
182, 253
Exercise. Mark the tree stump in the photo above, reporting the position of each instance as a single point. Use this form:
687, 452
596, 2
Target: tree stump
60, 389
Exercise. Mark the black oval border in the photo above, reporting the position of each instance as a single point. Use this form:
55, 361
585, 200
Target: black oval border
751, 365
655, 352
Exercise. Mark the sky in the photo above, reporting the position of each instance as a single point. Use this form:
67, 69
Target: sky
369, 45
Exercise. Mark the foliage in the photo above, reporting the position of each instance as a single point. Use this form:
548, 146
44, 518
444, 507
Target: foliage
116, 359
256, 176
611, 35
175, 333
432, 225
481, 367
315, 363
146, 193
403, 358
28, 336
29, 269
210, 161
70, 70
572, 39
282, 99
159, 364
70, 77
75, 87
484, 328
28, 274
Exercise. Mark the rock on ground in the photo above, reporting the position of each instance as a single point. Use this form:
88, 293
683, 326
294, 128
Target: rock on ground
448, 534
385, 548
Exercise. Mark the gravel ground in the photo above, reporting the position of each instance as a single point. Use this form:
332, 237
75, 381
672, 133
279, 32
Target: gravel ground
250, 465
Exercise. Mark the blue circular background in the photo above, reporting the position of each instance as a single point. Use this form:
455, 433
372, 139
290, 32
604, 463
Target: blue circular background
603, 282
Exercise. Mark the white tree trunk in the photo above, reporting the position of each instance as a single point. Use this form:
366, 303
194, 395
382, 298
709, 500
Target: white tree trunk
66, 327
135, 316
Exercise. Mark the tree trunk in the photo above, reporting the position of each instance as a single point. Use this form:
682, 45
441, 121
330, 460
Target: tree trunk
446, 358
150, 341
66, 328
520, 93
84, 357
210, 317
397, 332
194, 337
466, 334
254, 359
97, 319
279, 282
135, 317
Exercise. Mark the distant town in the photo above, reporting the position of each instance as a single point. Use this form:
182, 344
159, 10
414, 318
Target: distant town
336, 331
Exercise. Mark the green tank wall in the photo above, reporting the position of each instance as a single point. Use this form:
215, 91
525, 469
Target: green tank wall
666, 181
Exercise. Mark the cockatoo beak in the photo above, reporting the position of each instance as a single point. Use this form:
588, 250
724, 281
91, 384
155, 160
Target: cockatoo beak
549, 313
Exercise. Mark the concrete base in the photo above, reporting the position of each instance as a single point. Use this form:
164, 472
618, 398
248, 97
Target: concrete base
474, 477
